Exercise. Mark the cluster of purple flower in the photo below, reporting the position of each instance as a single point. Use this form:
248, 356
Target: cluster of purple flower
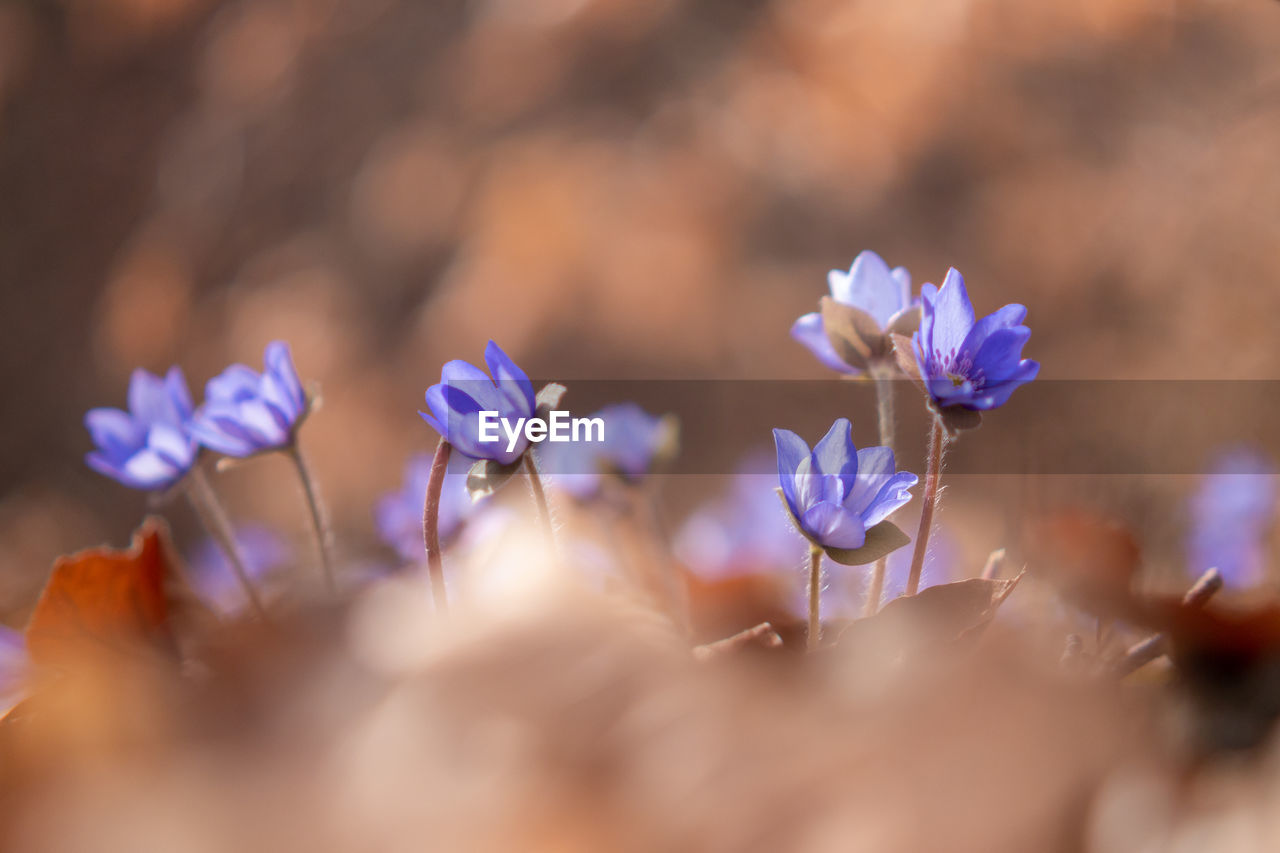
155, 442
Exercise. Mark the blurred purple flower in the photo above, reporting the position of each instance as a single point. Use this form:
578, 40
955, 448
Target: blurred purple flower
150, 446
633, 441
263, 551
744, 532
398, 515
869, 286
14, 665
1231, 518
465, 390
836, 492
246, 412
976, 365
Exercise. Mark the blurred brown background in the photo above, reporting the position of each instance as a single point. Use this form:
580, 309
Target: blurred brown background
609, 188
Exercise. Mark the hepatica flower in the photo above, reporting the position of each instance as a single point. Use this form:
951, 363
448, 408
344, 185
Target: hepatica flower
867, 303
398, 515
465, 390
150, 446
263, 551
246, 412
973, 365
837, 494
1232, 514
741, 533
634, 443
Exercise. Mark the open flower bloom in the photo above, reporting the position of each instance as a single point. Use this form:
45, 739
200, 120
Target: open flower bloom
264, 551
740, 533
836, 492
398, 515
634, 441
465, 390
975, 365
150, 446
246, 412
1232, 514
883, 295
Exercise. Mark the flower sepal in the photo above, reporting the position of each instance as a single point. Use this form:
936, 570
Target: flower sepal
487, 476
853, 333
881, 540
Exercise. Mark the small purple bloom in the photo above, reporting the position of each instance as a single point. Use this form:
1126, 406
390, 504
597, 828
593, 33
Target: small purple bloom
976, 365
246, 412
744, 532
150, 446
263, 551
465, 390
1231, 518
633, 441
14, 666
871, 287
398, 514
837, 492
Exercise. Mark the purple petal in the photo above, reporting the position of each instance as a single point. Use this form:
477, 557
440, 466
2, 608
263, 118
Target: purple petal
1005, 318
835, 454
511, 380
1001, 353
467, 388
238, 382
175, 383
113, 430
893, 494
952, 316
995, 396
791, 452
809, 331
834, 526
148, 400
278, 361
869, 285
875, 467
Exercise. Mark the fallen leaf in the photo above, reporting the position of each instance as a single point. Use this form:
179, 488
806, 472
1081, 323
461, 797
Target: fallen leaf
935, 615
104, 599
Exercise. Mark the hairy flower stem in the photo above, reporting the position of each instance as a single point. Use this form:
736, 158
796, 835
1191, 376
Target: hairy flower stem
431, 524
814, 634
540, 498
883, 376
933, 474
319, 521
214, 520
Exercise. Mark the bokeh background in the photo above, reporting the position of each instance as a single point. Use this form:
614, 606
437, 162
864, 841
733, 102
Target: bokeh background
638, 189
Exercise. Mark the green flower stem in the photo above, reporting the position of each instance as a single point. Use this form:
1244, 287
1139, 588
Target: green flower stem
431, 524
814, 635
319, 521
938, 442
883, 376
213, 517
540, 498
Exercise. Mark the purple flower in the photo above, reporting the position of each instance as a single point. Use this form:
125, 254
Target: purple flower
14, 666
465, 390
263, 551
246, 412
975, 365
836, 492
398, 515
1231, 518
871, 288
743, 532
150, 446
634, 441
